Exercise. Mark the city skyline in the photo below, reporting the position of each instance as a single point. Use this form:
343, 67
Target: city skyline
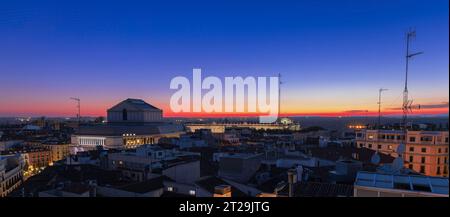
331, 65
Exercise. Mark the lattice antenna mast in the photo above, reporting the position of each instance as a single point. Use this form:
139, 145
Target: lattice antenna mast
406, 102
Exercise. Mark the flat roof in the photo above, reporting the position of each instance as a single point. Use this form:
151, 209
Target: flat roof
436, 185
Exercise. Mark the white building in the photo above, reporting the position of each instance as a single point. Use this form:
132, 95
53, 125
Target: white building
131, 123
11, 173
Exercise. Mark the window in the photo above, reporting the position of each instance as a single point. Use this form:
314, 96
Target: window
438, 171
422, 169
424, 150
412, 139
423, 160
170, 188
411, 149
411, 158
379, 146
426, 138
439, 150
370, 145
124, 115
390, 147
439, 160
192, 192
410, 166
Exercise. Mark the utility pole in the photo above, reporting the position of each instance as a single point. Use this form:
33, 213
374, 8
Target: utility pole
379, 105
78, 117
279, 95
79, 110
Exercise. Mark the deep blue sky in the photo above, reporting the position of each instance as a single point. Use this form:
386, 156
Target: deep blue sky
333, 55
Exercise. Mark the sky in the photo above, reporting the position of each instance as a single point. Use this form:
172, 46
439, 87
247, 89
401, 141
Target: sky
333, 55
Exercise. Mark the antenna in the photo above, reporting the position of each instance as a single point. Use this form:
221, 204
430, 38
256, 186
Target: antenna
407, 104
379, 105
397, 165
410, 35
279, 95
79, 109
375, 159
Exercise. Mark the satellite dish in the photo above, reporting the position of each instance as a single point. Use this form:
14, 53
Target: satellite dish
280, 186
397, 164
375, 158
401, 148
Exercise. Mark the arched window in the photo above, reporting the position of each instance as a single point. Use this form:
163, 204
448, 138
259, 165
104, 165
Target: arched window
124, 115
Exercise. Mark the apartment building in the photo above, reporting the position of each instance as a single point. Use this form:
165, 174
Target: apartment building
426, 151
58, 151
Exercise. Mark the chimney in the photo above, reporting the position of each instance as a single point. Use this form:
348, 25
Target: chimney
292, 179
222, 191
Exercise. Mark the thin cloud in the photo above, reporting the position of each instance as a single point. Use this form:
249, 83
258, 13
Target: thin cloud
427, 106
356, 111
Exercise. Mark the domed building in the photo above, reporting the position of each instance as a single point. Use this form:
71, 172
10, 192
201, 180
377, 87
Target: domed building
130, 123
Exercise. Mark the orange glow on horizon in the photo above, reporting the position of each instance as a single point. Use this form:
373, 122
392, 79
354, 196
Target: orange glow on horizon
94, 109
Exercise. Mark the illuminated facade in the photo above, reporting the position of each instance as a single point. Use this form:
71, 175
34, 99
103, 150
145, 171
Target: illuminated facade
58, 151
131, 123
11, 173
426, 151
284, 124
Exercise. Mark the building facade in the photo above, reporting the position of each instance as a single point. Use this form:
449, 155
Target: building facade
58, 151
131, 123
11, 173
283, 124
426, 151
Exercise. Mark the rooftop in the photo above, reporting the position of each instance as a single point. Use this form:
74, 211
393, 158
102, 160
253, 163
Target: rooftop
437, 185
211, 182
133, 105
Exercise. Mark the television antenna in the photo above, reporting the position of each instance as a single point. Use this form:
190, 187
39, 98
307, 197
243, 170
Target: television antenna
79, 109
410, 35
379, 105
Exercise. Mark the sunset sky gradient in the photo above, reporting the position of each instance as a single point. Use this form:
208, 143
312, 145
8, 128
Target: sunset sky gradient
333, 55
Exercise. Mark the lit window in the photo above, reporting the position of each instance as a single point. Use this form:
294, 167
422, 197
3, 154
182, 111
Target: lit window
390, 147
170, 188
192, 192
